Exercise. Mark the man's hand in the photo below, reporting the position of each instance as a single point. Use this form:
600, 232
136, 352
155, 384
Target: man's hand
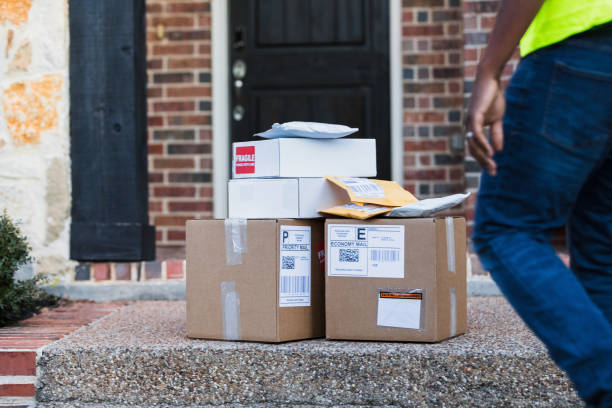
487, 104
486, 108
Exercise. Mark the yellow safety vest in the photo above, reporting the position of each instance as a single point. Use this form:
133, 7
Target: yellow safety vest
560, 19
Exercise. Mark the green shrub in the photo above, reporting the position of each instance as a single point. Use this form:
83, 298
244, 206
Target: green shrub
18, 300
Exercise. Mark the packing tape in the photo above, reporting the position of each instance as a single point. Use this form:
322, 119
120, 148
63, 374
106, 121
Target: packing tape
235, 240
230, 310
450, 244
453, 313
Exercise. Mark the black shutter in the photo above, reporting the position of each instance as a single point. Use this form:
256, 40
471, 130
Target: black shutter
108, 131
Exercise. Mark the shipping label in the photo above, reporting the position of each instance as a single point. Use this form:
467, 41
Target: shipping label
361, 187
373, 251
400, 309
294, 280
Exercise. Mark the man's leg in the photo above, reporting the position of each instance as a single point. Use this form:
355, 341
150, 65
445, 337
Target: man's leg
590, 238
550, 151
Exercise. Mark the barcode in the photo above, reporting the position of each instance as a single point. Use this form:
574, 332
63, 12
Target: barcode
295, 284
364, 188
288, 262
349, 255
384, 255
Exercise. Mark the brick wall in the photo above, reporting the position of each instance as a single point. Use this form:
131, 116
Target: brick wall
433, 95
179, 105
478, 20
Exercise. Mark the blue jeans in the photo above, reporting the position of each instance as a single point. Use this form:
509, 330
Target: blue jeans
555, 169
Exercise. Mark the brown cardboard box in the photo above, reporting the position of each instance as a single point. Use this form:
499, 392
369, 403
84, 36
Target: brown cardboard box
236, 271
371, 296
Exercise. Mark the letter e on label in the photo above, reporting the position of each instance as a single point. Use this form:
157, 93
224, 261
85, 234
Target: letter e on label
361, 234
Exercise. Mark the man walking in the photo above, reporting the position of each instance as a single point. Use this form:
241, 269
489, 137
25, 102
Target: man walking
549, 164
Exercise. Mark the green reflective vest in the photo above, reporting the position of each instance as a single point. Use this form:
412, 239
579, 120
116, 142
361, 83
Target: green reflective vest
560, 19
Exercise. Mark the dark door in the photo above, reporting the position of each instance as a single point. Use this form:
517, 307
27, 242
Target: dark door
311, 60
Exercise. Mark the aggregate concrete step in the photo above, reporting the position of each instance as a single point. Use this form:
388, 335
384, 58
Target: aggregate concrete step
139, 355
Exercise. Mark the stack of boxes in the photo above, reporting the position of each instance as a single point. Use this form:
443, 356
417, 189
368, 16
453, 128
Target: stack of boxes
260, 275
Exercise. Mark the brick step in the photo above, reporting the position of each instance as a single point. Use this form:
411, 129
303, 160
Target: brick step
20, 346
140, 356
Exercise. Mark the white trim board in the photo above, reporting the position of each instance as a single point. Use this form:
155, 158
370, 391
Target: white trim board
220, 97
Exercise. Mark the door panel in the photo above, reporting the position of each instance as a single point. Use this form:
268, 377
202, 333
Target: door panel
313, 60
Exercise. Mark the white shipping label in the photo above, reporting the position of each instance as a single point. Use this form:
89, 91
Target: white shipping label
399, 310
373, 251
362, 187
294, 280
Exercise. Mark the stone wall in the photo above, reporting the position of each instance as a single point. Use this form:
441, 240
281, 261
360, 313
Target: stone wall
34, 127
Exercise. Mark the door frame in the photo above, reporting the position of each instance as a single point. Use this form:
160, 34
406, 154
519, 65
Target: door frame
220, 96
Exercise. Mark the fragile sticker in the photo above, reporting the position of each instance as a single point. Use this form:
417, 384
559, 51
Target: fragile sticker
244, 160
373, 251
294, 276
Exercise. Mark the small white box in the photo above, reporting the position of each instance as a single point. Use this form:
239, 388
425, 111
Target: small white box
282, 197
300, 157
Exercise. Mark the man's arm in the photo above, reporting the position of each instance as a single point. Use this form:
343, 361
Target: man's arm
487, 103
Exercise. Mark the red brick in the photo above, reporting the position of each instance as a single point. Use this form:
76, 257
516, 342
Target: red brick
190, 35
204, 49
424, 145
205, 134
420, 117
454, 87
487, 22
470, 22
206, 164
429, 174
155, 206
101, 271
155, 148
425, 160
156, 177
470, 55
181, 63
193, 206
174, 269
154, 8
173, 163
424, 102
176, 235
204, 20
409, 160
173, 21
422, 30
424, 87
407, 16
173, 77
424, 59
172, 191
155, 64
189, 7
17, 390
155, 121
173, 49
174, 106
189, 120
154, 92
456, 174
17, 363
172, 220
189, 91
206, 192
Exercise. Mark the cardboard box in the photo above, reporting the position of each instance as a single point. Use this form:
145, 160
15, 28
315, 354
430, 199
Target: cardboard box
282, 197
395, 280
256, 280
300, 157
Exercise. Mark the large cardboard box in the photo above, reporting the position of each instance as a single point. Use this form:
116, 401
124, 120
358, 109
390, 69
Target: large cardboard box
401, 279
257, 280
301, 157
282, 197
